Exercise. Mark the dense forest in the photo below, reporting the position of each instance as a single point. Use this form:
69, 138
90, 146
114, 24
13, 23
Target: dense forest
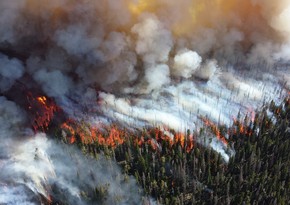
179, 170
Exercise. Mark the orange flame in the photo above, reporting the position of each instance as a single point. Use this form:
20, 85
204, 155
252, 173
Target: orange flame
42, 110
160, 135
214, 128
89, 134
241, 128
42, 100
112, 136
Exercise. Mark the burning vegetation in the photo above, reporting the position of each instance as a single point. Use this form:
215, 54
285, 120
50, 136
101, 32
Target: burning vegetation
114, 136
147, 72
175, 169
42, 111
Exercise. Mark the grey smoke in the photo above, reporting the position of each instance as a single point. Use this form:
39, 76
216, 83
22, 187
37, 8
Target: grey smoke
32, 165
54, 83
115, 52
10, 70
167, 65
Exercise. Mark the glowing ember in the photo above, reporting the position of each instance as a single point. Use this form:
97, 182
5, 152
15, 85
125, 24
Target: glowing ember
42, 110
42, 100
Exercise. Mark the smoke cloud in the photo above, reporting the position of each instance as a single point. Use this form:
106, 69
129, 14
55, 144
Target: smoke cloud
34, 166
135, 63
10, 70
85, 43
185, 63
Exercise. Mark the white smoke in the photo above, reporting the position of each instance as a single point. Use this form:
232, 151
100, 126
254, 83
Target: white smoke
42, 166
207, 71
157, 76
34, 166
185, 63
154, 42
118, 52
137, 63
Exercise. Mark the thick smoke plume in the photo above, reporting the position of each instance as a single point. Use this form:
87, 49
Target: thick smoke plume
37, 166
116, 45
137, 63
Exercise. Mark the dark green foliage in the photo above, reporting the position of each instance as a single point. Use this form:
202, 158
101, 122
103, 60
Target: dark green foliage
258, 173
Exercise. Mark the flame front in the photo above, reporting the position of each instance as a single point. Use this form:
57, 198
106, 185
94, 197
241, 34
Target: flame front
42, 111
215, 129
112, 136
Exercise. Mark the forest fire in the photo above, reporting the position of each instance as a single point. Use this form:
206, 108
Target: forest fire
186, 141
87, 134
42, 111
42, 100
113, 136
242, 127
215, 129
131, 81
